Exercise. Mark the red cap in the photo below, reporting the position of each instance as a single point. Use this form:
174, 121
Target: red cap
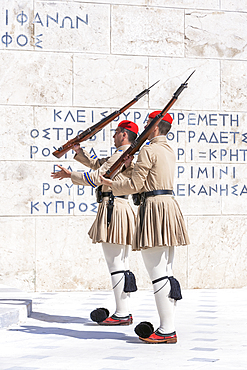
167, 117
131, 126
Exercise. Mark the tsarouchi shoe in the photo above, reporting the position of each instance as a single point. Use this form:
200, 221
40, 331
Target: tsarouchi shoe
115, 320
158, 337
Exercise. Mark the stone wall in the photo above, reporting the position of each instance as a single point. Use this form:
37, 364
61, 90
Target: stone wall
65, 65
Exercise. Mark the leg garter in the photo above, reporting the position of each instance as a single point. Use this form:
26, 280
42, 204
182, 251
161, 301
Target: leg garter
175, 292
130, 281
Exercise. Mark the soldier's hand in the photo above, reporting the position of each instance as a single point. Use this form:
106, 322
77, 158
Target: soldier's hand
64, 173
77, 148
127, 160
105, 181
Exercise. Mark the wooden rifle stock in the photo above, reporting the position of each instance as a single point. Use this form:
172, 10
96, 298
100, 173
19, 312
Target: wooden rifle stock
98, 126
134, 147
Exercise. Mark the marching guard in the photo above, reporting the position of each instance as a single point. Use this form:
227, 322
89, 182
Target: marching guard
114, 224
160, 225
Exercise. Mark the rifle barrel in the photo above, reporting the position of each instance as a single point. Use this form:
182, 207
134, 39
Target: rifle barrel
144, 135
97, 126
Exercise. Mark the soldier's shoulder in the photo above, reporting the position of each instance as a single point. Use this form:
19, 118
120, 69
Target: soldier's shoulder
146, 147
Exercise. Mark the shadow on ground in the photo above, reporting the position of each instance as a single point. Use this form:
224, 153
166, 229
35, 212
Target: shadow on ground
79, 334
59, 319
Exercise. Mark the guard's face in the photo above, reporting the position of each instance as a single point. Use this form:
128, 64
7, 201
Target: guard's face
118, 137
151, 135
148, 122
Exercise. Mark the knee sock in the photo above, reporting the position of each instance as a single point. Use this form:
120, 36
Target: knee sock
158, 262
117, 260
165, 306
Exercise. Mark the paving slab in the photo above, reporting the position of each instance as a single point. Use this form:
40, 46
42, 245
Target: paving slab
15, 306
59, 335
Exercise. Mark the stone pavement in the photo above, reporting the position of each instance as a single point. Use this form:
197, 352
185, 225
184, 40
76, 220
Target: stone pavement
211, 327
15, 306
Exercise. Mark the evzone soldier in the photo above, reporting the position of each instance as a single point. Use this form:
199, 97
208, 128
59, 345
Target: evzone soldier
160, 225
114, 223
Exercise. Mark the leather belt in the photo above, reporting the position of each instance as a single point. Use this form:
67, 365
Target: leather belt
156, 192
106, 194
109, 193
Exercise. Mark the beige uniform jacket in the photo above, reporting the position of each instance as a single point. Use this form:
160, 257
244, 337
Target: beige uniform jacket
121, 228
100, 166
160, 221
153, 170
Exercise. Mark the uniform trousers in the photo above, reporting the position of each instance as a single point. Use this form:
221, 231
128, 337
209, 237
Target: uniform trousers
158, 262
117, 259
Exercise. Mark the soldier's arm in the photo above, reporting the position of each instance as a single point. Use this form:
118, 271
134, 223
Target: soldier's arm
127, 172
88, 160
139, 174
93, 178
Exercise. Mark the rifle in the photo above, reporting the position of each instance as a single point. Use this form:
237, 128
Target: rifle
88, 133
133, 148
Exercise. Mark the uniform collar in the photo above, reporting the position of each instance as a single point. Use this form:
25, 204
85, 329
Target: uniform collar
122, 148
160, 139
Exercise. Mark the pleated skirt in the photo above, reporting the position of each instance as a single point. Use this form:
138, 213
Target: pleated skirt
121, 228
163, 224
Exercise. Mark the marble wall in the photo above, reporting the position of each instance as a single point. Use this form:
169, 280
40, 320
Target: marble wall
64, 65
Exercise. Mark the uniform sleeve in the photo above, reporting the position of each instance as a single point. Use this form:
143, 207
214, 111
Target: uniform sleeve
88, 160
92, 178
127, 172
135, 184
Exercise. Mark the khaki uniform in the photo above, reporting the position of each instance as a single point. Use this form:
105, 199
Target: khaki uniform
121, 228
163, 223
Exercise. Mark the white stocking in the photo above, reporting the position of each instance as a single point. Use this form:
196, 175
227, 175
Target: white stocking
158, 262
117, 259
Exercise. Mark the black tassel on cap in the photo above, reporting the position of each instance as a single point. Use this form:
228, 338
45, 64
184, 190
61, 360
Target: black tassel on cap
130, 282
100, 314
144, 329
175, 291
